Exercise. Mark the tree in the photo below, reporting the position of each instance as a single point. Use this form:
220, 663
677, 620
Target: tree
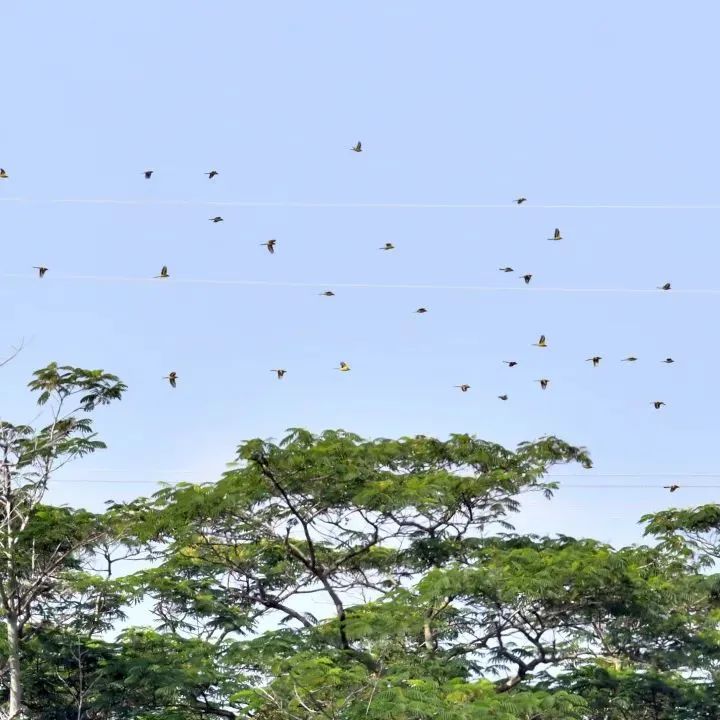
39, 543
330, 517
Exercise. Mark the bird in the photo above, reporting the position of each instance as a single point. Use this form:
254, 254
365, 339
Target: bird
216, 219
543, 383
463, 387
328, 293
172, 379
666, 286
556, 235
163, 272
421, 310
270, 245
672, 488
211, 174
3, 174
41, 270
502, 397
357, 148
387, 246
541, 342
280, 373
148, 174
344, 367
630, 358
657, 404
668, 361
527, 278
506, 269
510, 363
595, 360
520, 200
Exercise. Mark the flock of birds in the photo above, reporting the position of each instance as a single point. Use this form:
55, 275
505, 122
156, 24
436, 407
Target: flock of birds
270, 245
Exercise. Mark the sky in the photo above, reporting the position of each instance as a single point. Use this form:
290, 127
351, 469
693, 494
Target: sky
462, 102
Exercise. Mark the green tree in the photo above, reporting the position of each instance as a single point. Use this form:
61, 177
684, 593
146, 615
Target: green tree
334, 520
39, 543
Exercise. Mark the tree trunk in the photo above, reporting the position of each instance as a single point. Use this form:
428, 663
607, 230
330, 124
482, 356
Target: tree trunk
13, 637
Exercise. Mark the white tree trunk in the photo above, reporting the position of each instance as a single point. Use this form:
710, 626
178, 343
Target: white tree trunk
16, 690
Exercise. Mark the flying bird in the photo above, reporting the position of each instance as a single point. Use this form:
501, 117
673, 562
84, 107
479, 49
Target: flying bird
506, 269
211, 174
556, 235
344, 367
163, 272
527, 278
148, 174
672, 488
631, 358
280, 373
541, 342
421, 310
502, 397
3, 174
520, 200
510, 363
41, 270
657, 404
387, 246
666, 286
595, 360
216, 219
357, 147
543, 383
668, 361
328, 293
172, 379
463, 387
270, 245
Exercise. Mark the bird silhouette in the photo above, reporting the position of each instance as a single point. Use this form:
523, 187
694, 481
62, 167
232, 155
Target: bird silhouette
211, 174
421, 310
668, 361
270, 245
541, 342
163, 272
148, 174
527, 278
506, 269
387, 246
344, 367
328, 293
666, 286
172, 379
657, 404
595, 360
630, 358
520, 200
510, 363
216, 219
502, 397
357, 147
556, 235
3, 174
672, 488
280, 373
41, 270
463, 387
543, 383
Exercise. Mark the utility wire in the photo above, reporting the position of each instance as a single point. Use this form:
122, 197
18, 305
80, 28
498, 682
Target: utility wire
326, 285
362, 205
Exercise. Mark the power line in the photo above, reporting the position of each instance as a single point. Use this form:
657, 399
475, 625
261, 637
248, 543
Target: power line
379, 286
361, 205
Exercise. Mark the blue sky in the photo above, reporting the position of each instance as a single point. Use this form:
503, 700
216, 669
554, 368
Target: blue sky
459, 102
